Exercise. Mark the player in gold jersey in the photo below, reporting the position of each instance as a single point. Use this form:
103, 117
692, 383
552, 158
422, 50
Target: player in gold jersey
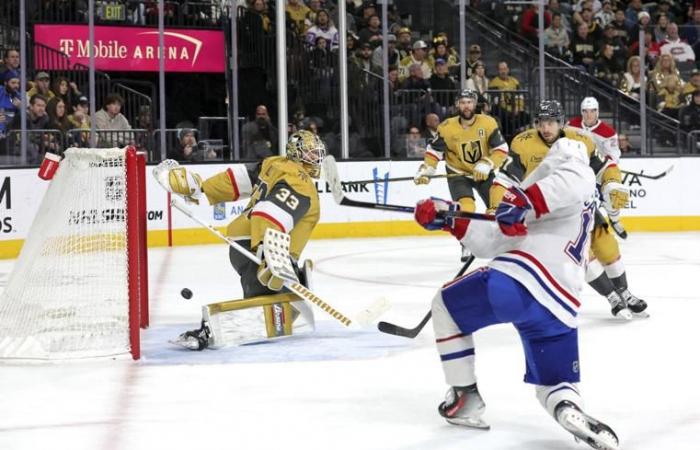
472, 146
607, 274
282, 196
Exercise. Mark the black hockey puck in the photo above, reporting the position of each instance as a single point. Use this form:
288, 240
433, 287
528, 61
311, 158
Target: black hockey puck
186, 293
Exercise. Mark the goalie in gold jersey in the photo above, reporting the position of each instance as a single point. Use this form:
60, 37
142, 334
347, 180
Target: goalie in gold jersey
472, 146
606, 274
283, 196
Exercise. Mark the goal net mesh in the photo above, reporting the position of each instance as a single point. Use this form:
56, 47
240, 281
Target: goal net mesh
67, 296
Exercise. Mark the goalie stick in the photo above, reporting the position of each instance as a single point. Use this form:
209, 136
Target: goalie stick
330, 171
396, 330
649, 177
364, 318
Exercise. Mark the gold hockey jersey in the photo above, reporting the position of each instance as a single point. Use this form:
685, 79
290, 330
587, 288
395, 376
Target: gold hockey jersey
283, 196
463, 147
528, 149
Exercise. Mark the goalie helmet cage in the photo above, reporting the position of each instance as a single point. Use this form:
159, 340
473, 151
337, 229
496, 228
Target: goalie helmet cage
79, 288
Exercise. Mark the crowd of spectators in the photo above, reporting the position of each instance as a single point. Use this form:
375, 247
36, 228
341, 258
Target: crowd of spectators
423, 75
57, 113
602, 38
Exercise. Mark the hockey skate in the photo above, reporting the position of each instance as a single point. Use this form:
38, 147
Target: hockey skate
464, 406
194, 339
618, 307
585, 428
635, 304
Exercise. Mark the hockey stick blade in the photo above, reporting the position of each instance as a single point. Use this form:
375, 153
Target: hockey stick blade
411, 333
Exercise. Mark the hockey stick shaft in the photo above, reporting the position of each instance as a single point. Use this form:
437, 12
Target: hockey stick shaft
410, 209
389, 180
295, 287
330, 169
411, 333
649, 177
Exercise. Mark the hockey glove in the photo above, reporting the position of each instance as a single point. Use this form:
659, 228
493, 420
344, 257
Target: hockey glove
431, 215
615, 195
482, 169
424, 173
179, 180
511, 212
265, 276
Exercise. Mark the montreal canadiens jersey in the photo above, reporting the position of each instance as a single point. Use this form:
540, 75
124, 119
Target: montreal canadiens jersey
602, 134
550, 260
281, 194
461, 147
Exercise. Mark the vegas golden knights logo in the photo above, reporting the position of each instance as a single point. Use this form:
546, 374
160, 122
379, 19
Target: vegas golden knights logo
471, 151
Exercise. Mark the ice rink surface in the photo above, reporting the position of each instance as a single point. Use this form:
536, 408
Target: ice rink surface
341, 389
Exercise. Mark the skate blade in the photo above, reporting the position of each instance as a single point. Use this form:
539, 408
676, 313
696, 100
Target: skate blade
624, 314
477, 424
640, 315
575, 422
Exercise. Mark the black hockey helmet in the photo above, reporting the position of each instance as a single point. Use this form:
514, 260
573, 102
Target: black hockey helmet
549, 110
468, 93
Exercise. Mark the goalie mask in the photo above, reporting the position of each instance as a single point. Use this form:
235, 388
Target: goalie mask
308, 150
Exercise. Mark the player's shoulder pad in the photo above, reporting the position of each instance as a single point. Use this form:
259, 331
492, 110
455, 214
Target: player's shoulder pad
486, 121
450, 121
524, 138
605, 130
279, 168
576, 122
579, 135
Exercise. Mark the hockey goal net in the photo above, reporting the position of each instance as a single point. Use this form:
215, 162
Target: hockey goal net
79, 287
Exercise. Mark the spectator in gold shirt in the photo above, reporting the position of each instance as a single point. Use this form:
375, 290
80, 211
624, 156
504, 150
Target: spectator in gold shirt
297, 11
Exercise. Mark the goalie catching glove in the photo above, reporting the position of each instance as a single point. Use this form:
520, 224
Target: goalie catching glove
265, 276
179, 180
431, 215
615, 195
424, 173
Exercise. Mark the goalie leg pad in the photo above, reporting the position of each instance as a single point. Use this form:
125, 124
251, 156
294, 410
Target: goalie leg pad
254, 319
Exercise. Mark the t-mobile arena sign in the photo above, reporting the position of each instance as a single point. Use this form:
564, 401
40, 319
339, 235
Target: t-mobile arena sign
133, 48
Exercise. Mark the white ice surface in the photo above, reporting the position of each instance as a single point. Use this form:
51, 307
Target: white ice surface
341, 389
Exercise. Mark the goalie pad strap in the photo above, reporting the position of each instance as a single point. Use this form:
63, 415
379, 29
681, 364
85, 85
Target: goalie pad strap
263, 300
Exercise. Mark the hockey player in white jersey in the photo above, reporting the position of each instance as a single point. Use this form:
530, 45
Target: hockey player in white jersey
605, 138
539, 248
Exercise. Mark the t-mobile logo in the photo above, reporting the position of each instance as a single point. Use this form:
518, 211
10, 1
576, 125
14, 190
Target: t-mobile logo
66, 46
